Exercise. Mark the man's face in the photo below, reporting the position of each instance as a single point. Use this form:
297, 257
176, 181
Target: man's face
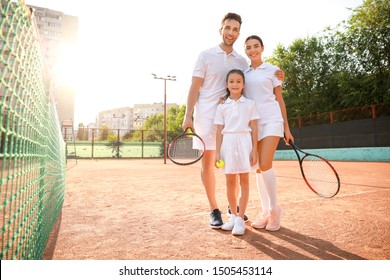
230, 31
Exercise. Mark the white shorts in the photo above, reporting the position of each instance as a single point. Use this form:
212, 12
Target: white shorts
207, 130
270, 129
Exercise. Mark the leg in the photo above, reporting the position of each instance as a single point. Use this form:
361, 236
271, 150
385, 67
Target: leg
238, 191
244, 183
239, 227
231, 181
208, 177
262, 219
208, 180
268, 148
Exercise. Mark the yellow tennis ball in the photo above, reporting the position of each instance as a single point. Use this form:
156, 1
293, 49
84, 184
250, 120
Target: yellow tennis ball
220, 163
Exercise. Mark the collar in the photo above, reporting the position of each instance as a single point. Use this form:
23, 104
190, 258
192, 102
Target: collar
219, 50
261, 66
229, 100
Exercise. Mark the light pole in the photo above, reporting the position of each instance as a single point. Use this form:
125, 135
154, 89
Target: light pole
165, 78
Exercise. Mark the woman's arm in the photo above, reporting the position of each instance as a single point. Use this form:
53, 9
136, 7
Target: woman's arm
253, 155
279, 97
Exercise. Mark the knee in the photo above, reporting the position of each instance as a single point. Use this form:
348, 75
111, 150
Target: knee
264, 167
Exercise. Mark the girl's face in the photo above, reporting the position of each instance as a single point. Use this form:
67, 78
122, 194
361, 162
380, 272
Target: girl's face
235, 84
254, 49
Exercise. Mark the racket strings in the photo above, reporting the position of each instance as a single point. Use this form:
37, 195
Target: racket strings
182, 150
320, 176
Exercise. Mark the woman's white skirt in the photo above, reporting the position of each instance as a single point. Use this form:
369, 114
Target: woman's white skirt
235, 151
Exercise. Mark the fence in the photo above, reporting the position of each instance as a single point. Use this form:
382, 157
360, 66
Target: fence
119, 143
367, 126
32, 151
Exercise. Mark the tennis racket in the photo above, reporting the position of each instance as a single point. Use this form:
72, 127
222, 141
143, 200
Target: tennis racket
187, 148
318, 173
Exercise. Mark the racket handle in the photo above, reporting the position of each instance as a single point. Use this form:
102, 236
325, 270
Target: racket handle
189, 130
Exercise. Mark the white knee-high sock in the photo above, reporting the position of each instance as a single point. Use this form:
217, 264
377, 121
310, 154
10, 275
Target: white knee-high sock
269, 179
262, 192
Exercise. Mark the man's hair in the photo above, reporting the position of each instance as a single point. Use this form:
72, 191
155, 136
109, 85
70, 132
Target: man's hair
231, 16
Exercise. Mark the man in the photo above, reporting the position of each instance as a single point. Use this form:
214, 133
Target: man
207, 87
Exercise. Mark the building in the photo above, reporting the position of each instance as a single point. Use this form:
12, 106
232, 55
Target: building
57, 30
119, 118
128, 118
142, 112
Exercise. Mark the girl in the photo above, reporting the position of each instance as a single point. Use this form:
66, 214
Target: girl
266, 91
236, 145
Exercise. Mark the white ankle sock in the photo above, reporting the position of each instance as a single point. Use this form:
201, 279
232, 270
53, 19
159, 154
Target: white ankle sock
269, 179
262, 192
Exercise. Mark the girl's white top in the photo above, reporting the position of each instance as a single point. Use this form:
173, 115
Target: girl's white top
236, 115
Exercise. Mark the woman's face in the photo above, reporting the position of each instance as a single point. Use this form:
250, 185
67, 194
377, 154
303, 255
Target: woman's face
253, 49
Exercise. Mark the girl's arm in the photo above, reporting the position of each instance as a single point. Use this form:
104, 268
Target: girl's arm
253, 155
218, 142
279, 97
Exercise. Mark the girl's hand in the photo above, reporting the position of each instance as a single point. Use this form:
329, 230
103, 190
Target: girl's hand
253, 157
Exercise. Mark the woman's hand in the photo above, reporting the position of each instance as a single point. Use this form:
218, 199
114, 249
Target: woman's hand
288, 137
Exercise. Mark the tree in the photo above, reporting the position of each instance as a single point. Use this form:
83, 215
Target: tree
104, 133
340, 68
82, 132
154, 125
115, 145
364, 50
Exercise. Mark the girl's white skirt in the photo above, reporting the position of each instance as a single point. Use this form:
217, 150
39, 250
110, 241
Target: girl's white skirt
235, 151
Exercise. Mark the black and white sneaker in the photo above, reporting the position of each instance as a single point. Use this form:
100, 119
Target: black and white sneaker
216, 219
238, 211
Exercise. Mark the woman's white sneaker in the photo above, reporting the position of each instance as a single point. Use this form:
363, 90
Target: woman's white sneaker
275, 219
261, 221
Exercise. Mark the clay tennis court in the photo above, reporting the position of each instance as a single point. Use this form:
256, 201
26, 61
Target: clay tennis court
144, 210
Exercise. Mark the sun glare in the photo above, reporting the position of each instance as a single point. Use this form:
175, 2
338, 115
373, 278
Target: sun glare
66, 70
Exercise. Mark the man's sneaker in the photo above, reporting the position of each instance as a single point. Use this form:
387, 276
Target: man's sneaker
230, 223
261, 221
274, 220
238, 210
216, 219
239, 227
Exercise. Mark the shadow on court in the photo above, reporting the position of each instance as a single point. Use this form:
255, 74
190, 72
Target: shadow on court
147, 210
295, 243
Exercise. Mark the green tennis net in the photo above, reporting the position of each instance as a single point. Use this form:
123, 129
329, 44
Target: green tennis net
32, 151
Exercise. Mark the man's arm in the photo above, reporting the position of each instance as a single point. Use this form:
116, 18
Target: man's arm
192, 98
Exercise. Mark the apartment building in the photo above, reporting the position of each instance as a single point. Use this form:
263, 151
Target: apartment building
57, 30
142, 112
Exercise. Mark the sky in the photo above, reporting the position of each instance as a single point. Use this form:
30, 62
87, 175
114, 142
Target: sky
121, 43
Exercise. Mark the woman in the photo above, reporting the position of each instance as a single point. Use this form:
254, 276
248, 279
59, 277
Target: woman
266, 90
